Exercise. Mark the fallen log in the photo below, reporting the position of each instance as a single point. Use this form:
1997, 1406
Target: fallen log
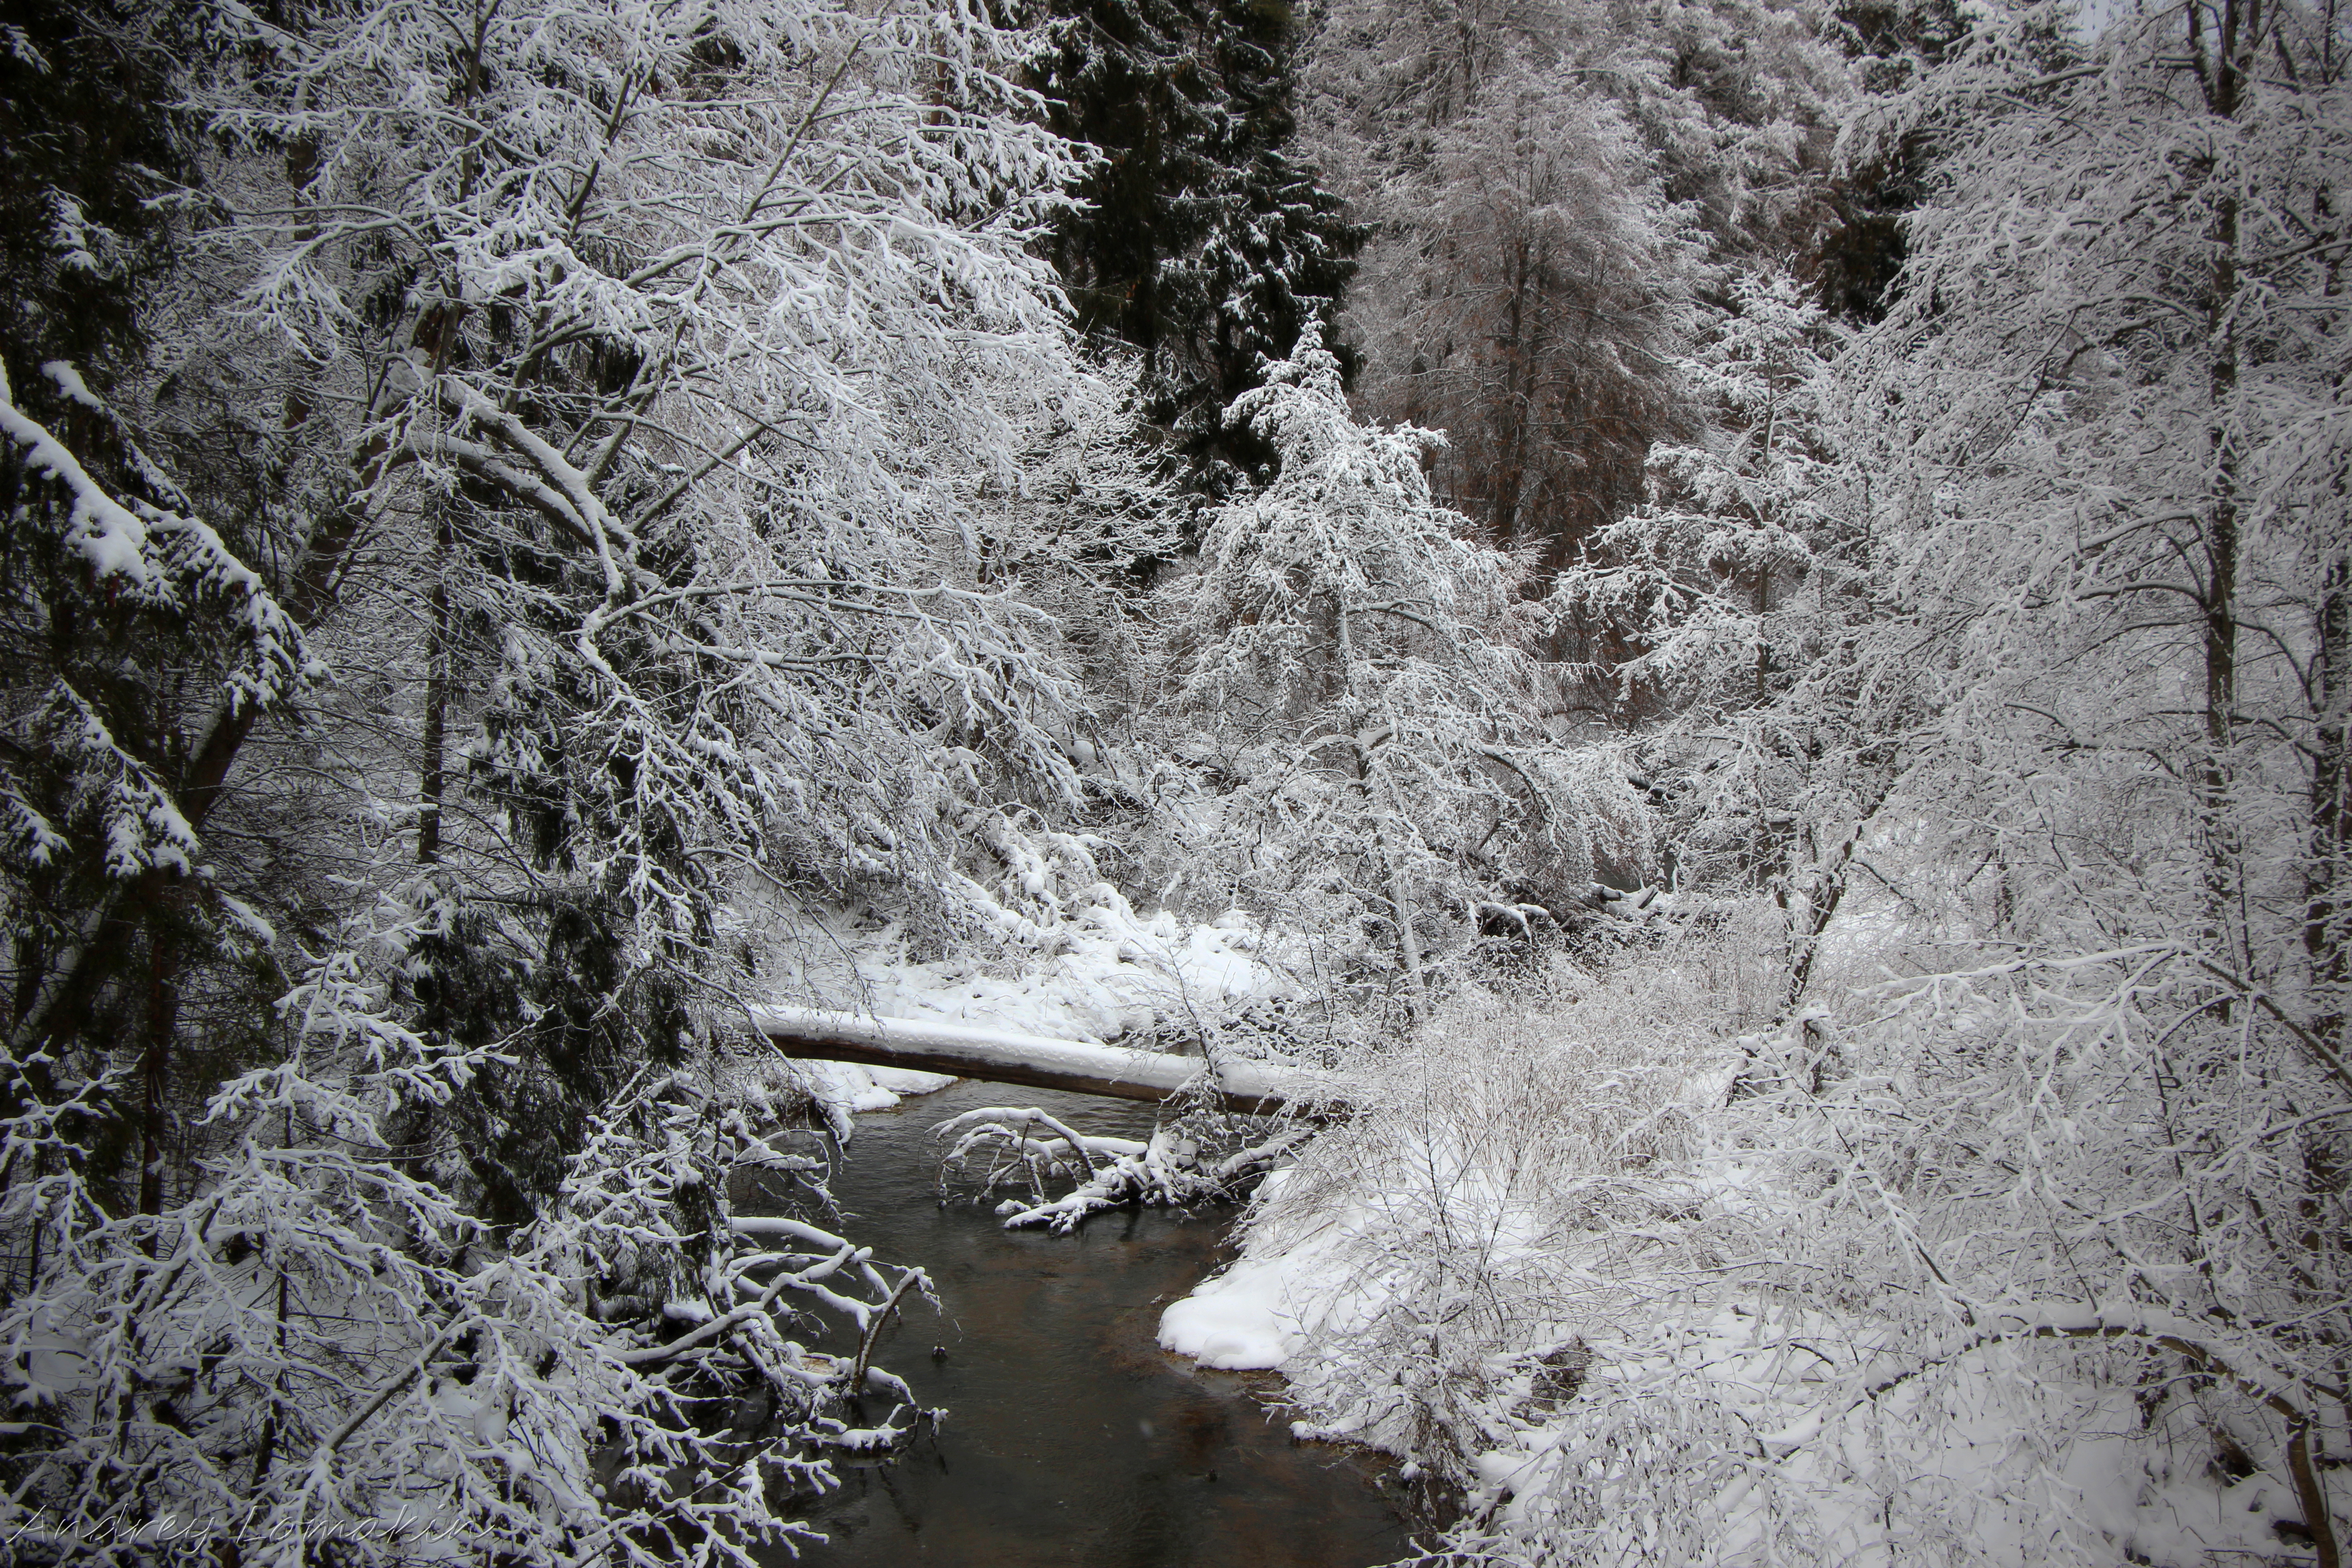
1003, 1055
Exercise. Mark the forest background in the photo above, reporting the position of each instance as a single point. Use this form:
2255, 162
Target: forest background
1738, 616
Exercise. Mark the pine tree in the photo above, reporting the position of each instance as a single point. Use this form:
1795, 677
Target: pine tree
133, 631
1120, 77
85, 138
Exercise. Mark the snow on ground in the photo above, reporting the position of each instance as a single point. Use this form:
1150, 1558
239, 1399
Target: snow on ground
1098, 972
843, 1089
1080, 965
1600, 1407
1261, 1313
1482, 1153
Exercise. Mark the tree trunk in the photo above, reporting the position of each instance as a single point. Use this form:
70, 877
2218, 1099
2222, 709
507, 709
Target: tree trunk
1512, 417
2325, 876
1416, 985
2239, 34
2331, 800
1400, 905
155, 1063
433, 769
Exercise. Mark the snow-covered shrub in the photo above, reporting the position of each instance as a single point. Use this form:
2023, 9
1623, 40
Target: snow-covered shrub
1504, 1191
1991, 1268
2013, 1283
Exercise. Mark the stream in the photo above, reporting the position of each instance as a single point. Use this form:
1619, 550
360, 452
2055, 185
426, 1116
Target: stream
1072, 1437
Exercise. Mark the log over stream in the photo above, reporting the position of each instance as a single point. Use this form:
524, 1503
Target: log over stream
998, 1056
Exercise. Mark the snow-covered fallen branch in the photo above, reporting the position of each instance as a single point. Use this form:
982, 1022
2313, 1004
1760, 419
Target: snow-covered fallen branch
1168, 1172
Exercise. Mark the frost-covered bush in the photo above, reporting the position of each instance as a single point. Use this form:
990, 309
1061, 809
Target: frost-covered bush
1987, 1267
1994, 1272
1507, 1184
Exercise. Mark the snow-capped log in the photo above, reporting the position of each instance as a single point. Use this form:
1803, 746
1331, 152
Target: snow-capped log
1004, 1056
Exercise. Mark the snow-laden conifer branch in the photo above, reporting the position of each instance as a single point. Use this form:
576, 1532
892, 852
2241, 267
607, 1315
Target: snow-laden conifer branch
161, 557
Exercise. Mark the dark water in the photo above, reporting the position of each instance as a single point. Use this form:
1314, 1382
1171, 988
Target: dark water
1071, 1437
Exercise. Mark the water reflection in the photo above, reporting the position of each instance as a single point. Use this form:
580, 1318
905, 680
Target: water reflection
1071, 1438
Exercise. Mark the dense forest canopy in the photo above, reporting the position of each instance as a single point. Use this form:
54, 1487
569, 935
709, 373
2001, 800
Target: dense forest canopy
1737, 617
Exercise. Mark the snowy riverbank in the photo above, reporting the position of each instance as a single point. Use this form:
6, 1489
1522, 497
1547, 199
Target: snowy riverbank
1635, 1321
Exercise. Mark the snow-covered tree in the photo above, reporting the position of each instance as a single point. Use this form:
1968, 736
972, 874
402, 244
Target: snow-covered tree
2119, 328
2052, 1147
1550, 183
2097, 447
1696, 587
1735, 98
1200, 237
322, 1350
1722, 622
545, 521
1530, 305
89, 139
2022, 1240
129, 611
649, 378
1357, 666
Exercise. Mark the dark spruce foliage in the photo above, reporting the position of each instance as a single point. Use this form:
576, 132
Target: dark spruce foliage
1202, 242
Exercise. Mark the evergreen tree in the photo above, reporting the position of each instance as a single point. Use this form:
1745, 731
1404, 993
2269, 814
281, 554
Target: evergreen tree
131, 632
84, 141
1202, 241
1120, 79
1858, 258
1559, 189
